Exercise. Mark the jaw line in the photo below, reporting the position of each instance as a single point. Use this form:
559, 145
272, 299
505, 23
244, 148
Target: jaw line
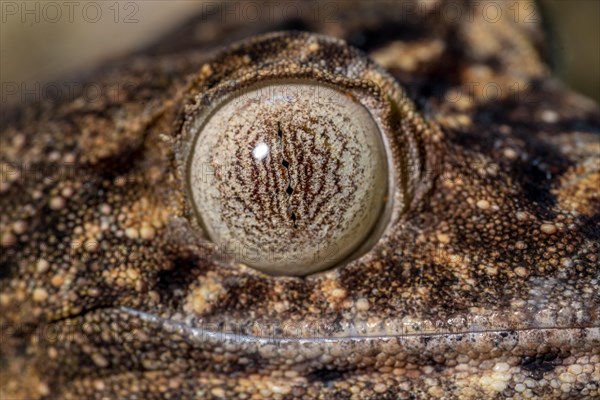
218, 336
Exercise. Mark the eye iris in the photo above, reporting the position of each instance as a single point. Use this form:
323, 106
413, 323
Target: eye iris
290, 178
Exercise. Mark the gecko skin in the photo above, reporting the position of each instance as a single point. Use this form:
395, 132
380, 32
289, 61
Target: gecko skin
484, 285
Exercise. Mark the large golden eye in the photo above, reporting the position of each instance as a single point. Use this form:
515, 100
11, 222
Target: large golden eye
292, 177
298, 153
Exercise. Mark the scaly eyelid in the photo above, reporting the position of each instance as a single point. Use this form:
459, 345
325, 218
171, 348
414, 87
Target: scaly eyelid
354, 78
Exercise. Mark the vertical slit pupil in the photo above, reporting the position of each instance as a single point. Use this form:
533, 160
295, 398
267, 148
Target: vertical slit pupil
294, 218
289, 190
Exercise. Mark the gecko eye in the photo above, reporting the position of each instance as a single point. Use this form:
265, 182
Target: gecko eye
290, 178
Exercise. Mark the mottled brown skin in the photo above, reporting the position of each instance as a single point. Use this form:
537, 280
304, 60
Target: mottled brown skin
486, 285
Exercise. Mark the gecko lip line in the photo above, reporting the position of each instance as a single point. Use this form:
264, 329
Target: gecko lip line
195, 332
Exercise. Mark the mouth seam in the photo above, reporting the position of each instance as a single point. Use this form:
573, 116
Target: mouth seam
184, 328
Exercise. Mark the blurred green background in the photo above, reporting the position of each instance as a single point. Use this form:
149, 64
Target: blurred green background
574, 28
47, 50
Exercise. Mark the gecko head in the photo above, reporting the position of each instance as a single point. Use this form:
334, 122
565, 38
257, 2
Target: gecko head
293, 170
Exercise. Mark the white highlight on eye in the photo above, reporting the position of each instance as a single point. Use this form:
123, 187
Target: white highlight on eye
260, 151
